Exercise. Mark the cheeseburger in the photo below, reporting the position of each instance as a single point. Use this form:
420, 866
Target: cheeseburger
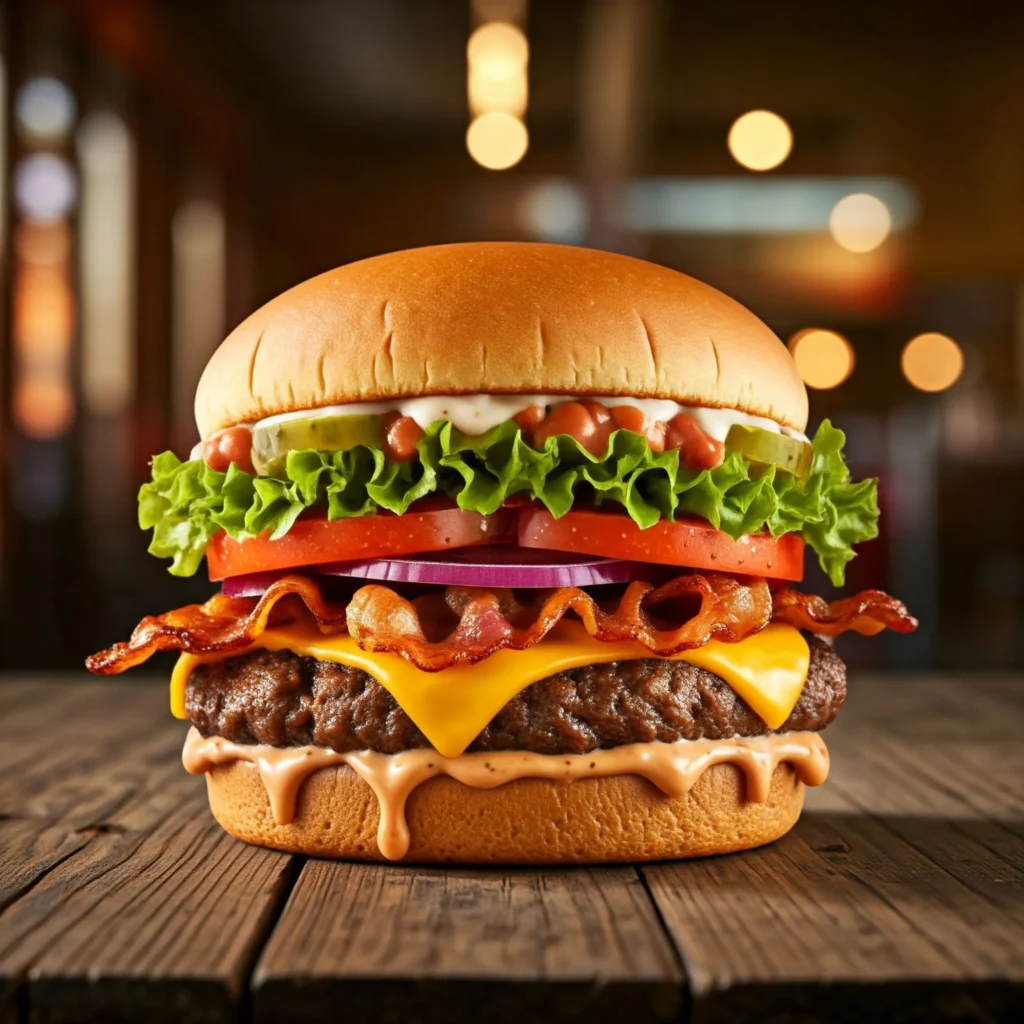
506, 537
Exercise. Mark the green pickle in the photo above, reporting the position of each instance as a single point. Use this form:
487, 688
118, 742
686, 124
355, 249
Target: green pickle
272, 443
765, 446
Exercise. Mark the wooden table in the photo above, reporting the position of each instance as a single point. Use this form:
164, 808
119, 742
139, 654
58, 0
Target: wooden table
899, 894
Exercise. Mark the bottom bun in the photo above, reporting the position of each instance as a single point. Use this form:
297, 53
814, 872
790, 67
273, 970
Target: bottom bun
527, 821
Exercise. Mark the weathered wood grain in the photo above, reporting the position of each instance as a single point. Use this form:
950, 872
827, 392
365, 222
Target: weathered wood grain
1008, 688
125, 901
58, 781
930, 707
78, 732
907, 782
840, 907
963, 762
395, 943
28, 693
896, 894
162, 924
96, 745
900, 893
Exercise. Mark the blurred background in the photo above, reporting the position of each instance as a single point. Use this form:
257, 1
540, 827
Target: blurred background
852, 172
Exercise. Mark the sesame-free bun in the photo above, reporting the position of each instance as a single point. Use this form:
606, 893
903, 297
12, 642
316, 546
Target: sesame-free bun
499, 317
527, 821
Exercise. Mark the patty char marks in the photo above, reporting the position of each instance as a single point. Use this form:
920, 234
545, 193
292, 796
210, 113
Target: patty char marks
282, 699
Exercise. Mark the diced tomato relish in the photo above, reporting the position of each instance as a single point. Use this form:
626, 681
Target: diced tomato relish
590, 423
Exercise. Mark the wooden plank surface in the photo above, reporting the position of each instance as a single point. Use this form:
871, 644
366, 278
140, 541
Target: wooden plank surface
899, 894
901, 891
124, 900
38, 829
397, 943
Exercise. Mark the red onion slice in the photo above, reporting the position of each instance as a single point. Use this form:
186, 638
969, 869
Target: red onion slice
469, 567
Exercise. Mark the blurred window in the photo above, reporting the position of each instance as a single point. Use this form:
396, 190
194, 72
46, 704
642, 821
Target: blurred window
45, 191
107, 262
198, 296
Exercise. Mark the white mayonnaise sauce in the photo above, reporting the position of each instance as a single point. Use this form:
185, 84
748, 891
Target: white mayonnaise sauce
476, 414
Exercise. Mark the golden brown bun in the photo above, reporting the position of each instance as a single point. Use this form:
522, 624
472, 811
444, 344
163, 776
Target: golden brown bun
499, 317
528, 821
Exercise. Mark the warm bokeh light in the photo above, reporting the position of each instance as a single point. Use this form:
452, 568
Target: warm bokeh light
860, 222
509, 94
43, 244
497, 140
496, 80
497, 88
497, 50
44, 313
824, 359
760, 140
43, 408
932, 362
43, 328
44, 109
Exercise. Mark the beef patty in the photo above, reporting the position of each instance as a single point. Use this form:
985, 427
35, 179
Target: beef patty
282, 699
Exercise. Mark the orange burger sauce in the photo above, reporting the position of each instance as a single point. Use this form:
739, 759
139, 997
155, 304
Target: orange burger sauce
401, 435
231, 445
590, 423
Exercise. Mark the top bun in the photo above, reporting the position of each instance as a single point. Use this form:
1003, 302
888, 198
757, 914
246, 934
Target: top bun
499, 318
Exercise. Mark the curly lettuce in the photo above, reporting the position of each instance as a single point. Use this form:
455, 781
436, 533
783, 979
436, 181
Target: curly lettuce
186, 503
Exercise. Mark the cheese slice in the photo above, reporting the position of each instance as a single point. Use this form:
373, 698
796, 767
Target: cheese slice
451, 707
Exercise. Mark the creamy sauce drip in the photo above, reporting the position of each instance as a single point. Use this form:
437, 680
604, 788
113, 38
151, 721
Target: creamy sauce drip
476, 414
673, 767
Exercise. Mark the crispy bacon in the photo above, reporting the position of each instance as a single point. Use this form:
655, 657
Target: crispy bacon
868, 613
460, 625
222, 624
684, 613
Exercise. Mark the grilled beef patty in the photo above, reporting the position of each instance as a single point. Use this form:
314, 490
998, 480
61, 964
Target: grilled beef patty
282, 699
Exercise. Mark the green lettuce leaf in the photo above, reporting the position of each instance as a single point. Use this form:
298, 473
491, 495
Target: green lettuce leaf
187, 502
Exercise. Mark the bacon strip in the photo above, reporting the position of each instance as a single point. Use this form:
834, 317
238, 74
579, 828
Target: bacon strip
662, 619
460, 625
222, 624
867, 613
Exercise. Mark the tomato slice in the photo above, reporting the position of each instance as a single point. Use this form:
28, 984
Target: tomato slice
316, 541
690, 542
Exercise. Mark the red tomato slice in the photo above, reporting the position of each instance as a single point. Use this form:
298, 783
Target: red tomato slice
690, 542
317, 541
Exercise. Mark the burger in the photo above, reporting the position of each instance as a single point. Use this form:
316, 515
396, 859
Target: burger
506, 538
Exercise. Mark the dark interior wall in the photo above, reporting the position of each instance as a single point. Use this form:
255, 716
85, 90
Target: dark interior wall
339, 134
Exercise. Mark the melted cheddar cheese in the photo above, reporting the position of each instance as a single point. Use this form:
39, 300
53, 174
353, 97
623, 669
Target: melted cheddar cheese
451, 707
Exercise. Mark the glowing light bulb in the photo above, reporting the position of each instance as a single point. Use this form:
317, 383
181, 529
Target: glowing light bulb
760, 140
44, 109
823, 359
932, 362
860, 222
497, 50
45, 187
497, 140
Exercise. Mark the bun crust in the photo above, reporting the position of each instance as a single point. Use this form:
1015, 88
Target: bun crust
528, 821
499, 317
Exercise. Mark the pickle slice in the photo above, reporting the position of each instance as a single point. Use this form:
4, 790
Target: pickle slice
272, 443
765, 446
